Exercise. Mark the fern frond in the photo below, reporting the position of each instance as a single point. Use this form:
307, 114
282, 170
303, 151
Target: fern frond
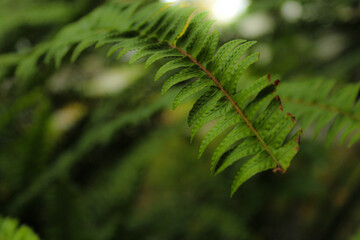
184, 40
320, 103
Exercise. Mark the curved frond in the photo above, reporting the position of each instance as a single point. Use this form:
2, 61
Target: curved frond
182, 38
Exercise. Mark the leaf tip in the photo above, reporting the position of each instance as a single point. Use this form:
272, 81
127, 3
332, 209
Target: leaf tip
279, 100
192, 138
279, 169
233, 191
292, 117
269, 77
299, 136
276, 82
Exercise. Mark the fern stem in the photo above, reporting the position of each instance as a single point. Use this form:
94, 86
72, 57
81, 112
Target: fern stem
322, 106
238, 110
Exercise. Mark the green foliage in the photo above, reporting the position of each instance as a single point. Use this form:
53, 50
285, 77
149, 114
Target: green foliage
356, 236
10, 230
253, 117
321, 103
17, 17
91, 151
100, 134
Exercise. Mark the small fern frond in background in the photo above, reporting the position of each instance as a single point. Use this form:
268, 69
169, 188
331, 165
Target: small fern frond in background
10, 229
256, 126
320, 103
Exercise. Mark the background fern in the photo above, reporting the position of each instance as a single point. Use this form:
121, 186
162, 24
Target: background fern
321, 103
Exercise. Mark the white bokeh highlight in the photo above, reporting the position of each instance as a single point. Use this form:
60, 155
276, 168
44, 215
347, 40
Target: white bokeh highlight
226, 10
291, 11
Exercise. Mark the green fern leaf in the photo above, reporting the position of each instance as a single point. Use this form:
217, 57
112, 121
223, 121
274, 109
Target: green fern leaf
259, 163
187, 40
146, 51
208, 114
226, 122
205, 105
172, 65
249, 146
161, 55
85, 44
183, 75
191, 89
159, 31
240, 131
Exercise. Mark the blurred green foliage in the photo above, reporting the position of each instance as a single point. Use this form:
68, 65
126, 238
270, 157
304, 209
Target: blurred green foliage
84, 157
9, 229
